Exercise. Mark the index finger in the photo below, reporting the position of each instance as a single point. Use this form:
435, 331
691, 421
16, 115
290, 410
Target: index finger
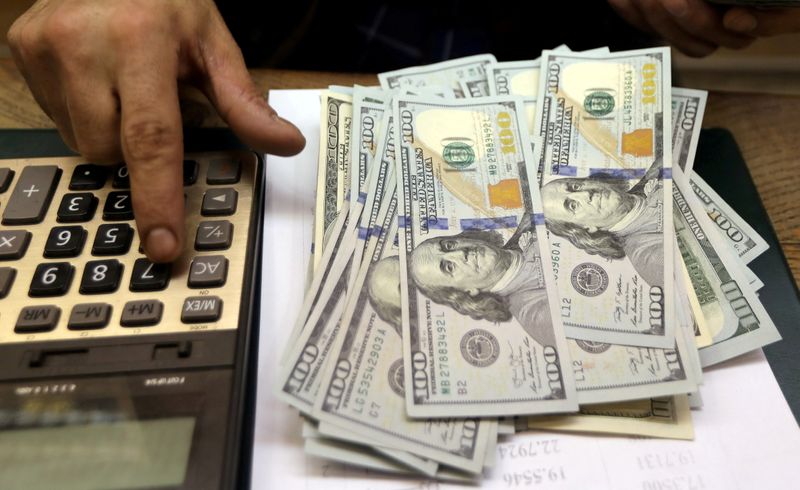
152, 144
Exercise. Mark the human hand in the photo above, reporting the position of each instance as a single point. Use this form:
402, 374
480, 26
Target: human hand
107, 73
698, 28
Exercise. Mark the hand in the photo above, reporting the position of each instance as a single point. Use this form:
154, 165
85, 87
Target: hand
107, 73
697, 27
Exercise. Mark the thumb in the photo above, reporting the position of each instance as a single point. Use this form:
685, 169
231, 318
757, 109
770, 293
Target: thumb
762, 22
239, 101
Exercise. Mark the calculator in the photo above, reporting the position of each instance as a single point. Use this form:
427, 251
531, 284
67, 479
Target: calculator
117, 372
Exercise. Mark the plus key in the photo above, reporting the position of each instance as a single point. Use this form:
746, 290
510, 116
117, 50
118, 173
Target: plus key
32, 194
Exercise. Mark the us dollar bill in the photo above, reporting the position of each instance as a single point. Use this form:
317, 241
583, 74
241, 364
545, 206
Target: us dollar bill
688, 108
610, 373
737, 233
604, 126
364, 390
333, 173
369, 108
479, 338
381, 174
736, 319
445, 74
665, 417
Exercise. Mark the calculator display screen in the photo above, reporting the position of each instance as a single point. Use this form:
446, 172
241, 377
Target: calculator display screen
114, 455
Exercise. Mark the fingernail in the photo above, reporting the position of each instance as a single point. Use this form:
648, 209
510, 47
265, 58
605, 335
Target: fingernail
161, 244
742, 22
678, 8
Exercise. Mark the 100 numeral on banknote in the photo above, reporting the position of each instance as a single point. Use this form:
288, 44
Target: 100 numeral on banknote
479, 339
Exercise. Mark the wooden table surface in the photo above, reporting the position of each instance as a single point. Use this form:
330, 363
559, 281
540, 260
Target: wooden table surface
767, 128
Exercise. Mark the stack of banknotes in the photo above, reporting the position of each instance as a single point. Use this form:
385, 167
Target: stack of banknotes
507, 246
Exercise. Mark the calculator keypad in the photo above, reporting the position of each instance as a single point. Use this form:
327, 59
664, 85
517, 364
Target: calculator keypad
69, 270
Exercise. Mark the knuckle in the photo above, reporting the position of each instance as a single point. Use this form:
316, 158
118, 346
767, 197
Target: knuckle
134, 25
64, 27
147, 140
24, 39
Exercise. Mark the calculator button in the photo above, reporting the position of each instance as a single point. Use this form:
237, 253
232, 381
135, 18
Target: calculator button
219, 202
189, 172
198, 309
208, 271
149, 276
121, 179
118, 206
51, 279
88, 177
7, 275
36, 319
65, 241
13, 244
76, 207
213, 235
32, 194
141, 313
89, 316
6, 175
101, 276
112, 239
223, 171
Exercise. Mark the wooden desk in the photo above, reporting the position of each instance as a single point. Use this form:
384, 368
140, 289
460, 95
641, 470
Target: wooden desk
767, 128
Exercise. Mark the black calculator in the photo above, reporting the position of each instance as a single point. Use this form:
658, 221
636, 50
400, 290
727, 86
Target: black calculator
116, 372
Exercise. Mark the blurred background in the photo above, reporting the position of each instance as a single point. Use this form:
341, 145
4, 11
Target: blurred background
378, 36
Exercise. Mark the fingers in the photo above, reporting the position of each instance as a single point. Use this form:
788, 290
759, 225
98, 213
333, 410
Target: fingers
703, 21
239, 101
664, 24
759, 22
631, 13
152, 145
94, 118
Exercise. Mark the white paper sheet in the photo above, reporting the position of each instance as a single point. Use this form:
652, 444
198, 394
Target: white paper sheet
746, 436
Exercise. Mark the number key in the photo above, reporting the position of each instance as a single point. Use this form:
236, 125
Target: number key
121, 179
101, 276
51, 279
112, 239
65, 241
76, 207
149, 276
118, 206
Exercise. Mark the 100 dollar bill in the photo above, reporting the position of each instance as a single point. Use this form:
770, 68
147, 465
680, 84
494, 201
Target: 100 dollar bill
479, 338
604, 123
737, 233
736, 319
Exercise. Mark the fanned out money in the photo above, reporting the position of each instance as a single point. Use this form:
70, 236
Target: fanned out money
504, 246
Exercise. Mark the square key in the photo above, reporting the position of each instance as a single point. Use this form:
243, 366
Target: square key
118, 206
7, 275
219, 202
101, 276
64, 241
141, 313
149, 276
189, 172
51, 279
112, 239
37, 319
208, 271
121, 179
89, 316
223, 171
199, 309
213, 235
6, 176
13, 244
88, 177
76, 207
